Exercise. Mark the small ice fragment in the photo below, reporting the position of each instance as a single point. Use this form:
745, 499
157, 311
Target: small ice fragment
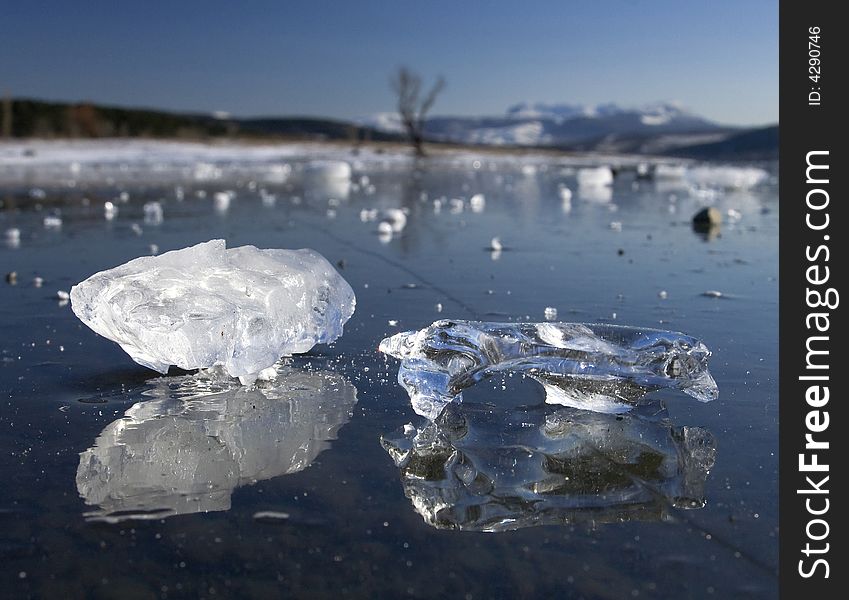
189, 307
550, 313
221, 201
384, 234
52, 222
393, 323
565, 194
270, 515
495, 245
456, 206
368, 214
62, 295
12, 278
713, 294
594, 367
268, 199
409, 429
13, 236
137, 229
477, 203
124, 197
669, 172
439, 307
110, 211
734, 214
384, 228
154, 249
616, 225
395, 218
153, 213
663, 294
38, 282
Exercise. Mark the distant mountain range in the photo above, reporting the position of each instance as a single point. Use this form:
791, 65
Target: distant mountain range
657, 129
660, 128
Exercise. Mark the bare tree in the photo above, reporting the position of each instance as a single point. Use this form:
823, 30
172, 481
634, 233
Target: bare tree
413, 109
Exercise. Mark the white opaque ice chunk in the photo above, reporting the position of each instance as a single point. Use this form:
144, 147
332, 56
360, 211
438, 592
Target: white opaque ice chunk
595, 177
732, 178
206, 305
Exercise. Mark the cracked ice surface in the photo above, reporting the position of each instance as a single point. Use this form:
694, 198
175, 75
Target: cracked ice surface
195, 439
206, 305
604, 368
482, 469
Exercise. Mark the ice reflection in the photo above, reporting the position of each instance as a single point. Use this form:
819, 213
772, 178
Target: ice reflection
197, 438
483, 469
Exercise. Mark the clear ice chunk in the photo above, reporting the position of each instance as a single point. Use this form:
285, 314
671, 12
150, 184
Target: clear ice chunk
482, 469
194, 439
605, 368
206, 305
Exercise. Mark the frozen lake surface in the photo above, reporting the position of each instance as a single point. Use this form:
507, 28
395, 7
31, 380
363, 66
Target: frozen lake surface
119, 482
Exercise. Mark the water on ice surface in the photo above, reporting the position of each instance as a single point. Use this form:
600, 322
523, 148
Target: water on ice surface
194, 439
482, 469
604, 368
207, 305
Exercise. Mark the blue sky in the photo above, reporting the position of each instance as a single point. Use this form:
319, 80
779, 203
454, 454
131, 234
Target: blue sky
322, 58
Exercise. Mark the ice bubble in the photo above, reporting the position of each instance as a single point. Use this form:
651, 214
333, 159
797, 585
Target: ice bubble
206, 305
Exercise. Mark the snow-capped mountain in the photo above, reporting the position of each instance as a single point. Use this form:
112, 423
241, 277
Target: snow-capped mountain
535, 124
